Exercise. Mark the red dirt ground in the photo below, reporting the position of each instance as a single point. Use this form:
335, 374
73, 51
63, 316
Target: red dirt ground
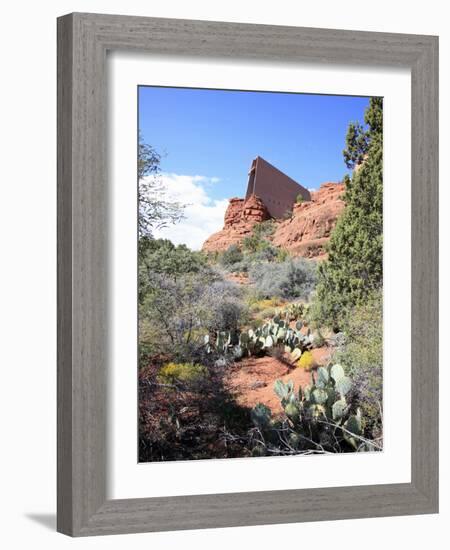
251, 380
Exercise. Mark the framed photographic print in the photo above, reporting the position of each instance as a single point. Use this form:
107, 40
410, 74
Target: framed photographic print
247, 261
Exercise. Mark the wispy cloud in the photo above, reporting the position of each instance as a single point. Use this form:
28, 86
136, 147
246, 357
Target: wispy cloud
203, 215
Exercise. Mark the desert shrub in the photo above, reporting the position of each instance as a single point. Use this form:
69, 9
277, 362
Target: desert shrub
364, 335
259, 239
300, 277
177, 311
294, 311
171, 312
264, 229
251, 297
314, 316
180, 298
362, 355
266, 278
257, 305
265, 253
306, 361
367, 394
282, 255
318, 339
294, 278
228, 311
299, 199
239, 267
231, 256
267, 313
181, 372
250, 243
161, 256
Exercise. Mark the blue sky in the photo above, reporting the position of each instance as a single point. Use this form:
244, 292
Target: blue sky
217, 133
209, 137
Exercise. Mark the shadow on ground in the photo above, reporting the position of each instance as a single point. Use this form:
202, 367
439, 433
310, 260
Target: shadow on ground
46, 520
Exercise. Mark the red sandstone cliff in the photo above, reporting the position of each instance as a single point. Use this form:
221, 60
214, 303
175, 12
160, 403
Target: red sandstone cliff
240, 218
305, 234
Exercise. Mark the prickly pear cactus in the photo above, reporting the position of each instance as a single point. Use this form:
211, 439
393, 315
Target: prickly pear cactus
275, 332
261, 415
318, 413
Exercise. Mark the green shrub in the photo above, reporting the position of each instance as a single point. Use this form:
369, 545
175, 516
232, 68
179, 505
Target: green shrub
229, 312
181, 372
264, 229
299, 199
258, 305
251, 243
282, 255
268, 313
161, 256
362, 355
293, 278
265, 253
259, 239
231, 256
262, 252
364, 335
239, 267
318, 339
176, 312
294, 311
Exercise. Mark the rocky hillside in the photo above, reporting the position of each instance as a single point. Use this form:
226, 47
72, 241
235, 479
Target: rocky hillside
304, 234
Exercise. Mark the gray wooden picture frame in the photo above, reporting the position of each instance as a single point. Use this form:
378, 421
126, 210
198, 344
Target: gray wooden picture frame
83, 41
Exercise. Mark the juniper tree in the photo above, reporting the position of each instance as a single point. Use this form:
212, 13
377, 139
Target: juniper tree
358, 138
354, 267
356, 145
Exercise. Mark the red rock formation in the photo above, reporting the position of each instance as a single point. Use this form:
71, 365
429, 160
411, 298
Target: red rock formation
305, 234
254, 211
233, 212
240, 218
